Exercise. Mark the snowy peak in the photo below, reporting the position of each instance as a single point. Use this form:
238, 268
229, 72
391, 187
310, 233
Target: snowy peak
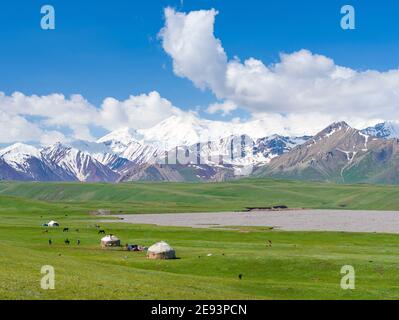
179, 131
277, 145
123, 136
341, 135
333, 129
386, 130
20, 149
18, 156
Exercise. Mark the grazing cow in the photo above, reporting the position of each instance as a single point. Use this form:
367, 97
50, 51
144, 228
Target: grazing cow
240, 276
66, 230
101, 232
67, 242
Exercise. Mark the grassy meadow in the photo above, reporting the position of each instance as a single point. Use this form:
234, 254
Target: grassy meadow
299, 265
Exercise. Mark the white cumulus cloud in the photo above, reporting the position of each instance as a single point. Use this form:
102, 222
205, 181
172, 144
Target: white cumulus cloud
300, 83
137, 112
51, 118
225, 108
189, 39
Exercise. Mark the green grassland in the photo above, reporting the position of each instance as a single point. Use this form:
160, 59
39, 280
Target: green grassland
194, 197
299, 265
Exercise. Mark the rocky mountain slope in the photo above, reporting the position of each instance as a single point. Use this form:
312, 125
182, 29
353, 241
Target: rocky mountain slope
339, 154
78, 164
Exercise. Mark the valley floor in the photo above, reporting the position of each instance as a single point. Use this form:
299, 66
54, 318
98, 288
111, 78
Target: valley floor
274, 264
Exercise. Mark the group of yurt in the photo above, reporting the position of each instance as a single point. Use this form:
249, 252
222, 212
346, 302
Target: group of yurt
158, 251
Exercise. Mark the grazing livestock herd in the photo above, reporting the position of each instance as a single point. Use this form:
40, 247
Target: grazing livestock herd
53, 224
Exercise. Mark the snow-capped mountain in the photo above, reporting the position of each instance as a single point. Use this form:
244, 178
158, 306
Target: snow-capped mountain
385, 130
100, 152
17, 161
28, 163
118, 140
18, 154
214, 150
185, 130
239, 150
129, 145
276, 145
78, 164
148, 145
189, 149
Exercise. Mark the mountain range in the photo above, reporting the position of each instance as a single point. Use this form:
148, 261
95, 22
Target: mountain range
341, 154
190, 149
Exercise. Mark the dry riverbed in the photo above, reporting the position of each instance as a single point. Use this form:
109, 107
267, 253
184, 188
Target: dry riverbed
291, 220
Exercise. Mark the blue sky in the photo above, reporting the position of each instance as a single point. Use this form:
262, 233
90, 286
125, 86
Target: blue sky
110, 48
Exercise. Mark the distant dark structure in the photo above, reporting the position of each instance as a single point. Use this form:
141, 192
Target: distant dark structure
274, 208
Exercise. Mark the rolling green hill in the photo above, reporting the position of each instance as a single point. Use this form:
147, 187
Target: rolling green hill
186, 197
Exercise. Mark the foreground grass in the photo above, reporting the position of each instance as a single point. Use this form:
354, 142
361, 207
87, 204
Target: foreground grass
299, 265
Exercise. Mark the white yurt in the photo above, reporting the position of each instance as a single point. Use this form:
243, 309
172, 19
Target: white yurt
110, 241
53, 224
161, 250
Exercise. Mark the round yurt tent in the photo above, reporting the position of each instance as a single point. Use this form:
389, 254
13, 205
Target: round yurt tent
110, 241
53, 224
161, 250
